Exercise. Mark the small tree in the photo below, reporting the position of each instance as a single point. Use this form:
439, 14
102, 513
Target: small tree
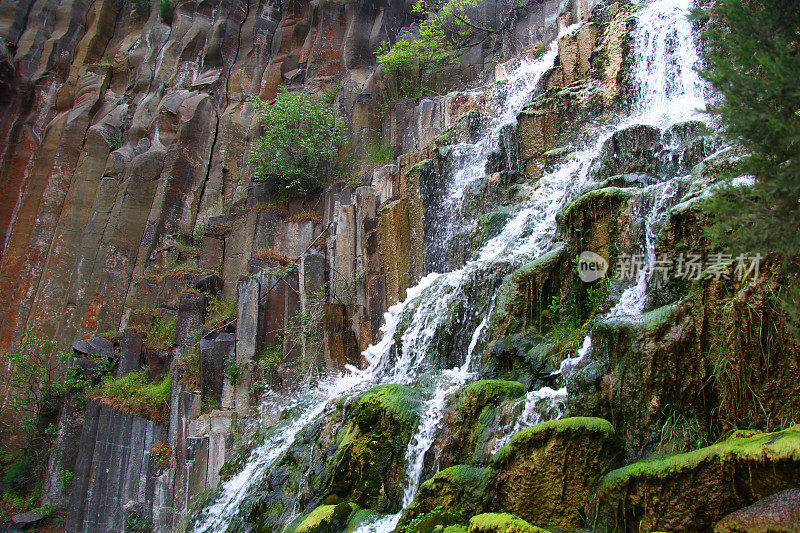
445, 30
36, 380
300, 146
753, 56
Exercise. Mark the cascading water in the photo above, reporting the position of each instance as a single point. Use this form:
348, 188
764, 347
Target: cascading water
389, 361
669, 91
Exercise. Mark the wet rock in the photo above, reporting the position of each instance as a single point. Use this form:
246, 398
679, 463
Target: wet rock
327, 518
692, 491
546, 473
449, 497
94, 347
29, 518
369, 465
779, 513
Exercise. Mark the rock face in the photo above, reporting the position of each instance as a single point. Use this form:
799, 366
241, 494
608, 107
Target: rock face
130, 230
113, 467
779, 512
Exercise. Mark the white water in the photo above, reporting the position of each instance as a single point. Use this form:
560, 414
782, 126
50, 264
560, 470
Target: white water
428, 302
670, 92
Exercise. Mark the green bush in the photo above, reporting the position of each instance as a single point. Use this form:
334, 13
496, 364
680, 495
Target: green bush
37, 363
167, 11
302, 138
135, 393
443, 32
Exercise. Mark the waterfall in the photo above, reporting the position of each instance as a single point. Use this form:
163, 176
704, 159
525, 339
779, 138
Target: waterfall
668, 92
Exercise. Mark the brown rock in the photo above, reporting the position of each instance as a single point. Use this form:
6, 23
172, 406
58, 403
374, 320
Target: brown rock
779, 513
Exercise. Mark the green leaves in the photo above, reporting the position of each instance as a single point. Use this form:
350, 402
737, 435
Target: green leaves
300, 146
437, 40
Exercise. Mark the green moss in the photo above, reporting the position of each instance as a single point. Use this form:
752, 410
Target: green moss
545, 430
479, 392
369, 464
638, 326
781, 445
491, 224
448, 498
327, 518
359, 518
501, 523
610, 193
692, 491
544, 262
421, 166
398, 401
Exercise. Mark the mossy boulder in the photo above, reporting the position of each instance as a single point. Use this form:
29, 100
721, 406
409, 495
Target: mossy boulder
327, 519
546, 473
779, 513
598, 221
528, 291
450, 497
652, 365
501, 523
470, 421
691, 491
369, 464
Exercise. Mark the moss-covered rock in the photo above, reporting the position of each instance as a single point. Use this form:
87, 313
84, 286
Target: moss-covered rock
470, 421
691, 491
327, 519
449, 497
369, 464
527, 292
545, 474
501, 523
360, 518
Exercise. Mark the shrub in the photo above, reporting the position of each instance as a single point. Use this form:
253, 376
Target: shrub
35, 380
135, 393
161, 334
302, 138
167, 11
443, 32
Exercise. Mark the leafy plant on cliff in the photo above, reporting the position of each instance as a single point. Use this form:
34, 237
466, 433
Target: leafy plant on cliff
299, 150
445, 29
37, 381
753, 57
167, 11
136, 393
161, 334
